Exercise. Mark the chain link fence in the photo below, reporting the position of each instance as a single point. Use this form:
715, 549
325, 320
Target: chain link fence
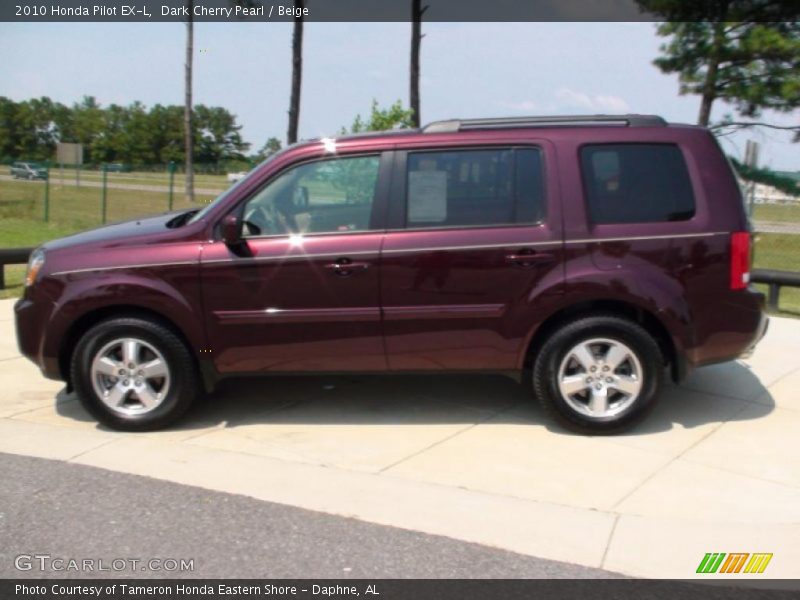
88, 197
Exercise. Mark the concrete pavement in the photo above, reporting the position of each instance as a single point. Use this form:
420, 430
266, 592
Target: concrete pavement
777, 227
66, 510
715, 468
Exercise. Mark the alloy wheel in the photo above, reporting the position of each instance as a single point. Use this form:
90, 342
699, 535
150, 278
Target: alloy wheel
130, 376
600, 378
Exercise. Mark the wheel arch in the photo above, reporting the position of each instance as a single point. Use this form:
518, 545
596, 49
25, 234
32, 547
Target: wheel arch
673, 356
113, 311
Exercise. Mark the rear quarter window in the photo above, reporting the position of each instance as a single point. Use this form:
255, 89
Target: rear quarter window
636, 183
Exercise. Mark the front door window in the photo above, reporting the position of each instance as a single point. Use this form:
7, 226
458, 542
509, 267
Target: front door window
325, 196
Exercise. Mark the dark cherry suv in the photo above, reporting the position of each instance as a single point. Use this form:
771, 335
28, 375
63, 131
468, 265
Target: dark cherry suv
586, 256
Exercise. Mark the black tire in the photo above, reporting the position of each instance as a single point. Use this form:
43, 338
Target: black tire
184, 380
549, 358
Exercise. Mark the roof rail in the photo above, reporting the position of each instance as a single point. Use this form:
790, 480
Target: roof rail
454, 125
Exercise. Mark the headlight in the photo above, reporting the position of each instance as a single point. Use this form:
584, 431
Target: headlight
35, 264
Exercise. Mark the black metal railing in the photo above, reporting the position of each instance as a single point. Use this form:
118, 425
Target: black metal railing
775, 280
12, 256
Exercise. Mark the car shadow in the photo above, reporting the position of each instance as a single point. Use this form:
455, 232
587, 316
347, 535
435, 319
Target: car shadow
729, 392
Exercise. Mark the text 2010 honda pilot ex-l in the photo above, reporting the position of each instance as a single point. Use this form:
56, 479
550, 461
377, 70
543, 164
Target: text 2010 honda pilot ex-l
586, 256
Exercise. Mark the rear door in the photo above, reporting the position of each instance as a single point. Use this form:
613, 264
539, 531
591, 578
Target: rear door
472, 254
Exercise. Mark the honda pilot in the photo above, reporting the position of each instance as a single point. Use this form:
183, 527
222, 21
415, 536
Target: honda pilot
589, 258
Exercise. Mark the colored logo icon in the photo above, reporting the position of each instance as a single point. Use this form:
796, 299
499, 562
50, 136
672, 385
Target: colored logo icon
735, 562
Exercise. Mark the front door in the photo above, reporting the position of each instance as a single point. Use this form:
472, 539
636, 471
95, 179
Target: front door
473, 254
302, 292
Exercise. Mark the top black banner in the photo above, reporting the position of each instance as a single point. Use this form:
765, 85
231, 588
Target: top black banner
249, 11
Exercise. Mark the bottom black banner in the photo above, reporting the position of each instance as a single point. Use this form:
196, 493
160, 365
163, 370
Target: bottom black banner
390, 589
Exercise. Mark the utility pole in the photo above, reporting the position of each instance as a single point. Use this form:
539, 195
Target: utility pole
187, 110
417, 10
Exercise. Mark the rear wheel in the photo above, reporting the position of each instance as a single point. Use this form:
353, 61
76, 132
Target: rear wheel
598, 374
134, 374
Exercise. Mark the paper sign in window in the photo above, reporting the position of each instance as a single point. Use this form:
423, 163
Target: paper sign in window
427, 196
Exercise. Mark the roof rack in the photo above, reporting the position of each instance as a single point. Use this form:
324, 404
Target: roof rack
453, 125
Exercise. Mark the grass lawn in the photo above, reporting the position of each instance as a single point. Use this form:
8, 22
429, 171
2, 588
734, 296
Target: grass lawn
21, 233
71, 209
14, 279
82, 207
777, 251
780, 251
16, 232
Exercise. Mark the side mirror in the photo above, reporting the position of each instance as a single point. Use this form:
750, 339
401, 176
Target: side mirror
231, 230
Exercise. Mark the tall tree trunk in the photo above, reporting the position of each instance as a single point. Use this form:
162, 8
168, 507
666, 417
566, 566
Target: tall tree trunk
416, 40
712, 69
297, 76
187, 109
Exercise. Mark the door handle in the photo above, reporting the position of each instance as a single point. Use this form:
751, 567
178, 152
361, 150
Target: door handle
529, 258
345, 266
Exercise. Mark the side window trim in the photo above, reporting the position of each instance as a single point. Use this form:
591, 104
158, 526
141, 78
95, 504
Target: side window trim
398, 204
379, 204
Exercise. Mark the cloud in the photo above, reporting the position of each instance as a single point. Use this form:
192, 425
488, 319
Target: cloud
598, 102
523, 106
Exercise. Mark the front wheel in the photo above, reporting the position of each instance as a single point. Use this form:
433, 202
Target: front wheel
134, 374
598, 374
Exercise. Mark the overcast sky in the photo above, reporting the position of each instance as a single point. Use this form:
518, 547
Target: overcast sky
468, 70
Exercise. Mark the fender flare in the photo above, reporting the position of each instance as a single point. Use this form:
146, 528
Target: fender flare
626, 293
75, 312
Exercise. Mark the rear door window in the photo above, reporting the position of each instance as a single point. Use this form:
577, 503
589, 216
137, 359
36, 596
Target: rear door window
474, 188
636, 183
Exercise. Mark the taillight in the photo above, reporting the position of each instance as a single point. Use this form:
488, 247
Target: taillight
740, 260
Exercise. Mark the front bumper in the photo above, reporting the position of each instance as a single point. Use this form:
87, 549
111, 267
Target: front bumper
31, 320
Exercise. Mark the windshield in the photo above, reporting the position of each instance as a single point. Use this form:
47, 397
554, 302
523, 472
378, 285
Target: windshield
221, 198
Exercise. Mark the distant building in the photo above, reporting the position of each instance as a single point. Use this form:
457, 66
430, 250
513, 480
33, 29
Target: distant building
766, 194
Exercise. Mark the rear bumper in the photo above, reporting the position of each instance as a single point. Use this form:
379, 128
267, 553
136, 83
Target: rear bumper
732, 329
762, 331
